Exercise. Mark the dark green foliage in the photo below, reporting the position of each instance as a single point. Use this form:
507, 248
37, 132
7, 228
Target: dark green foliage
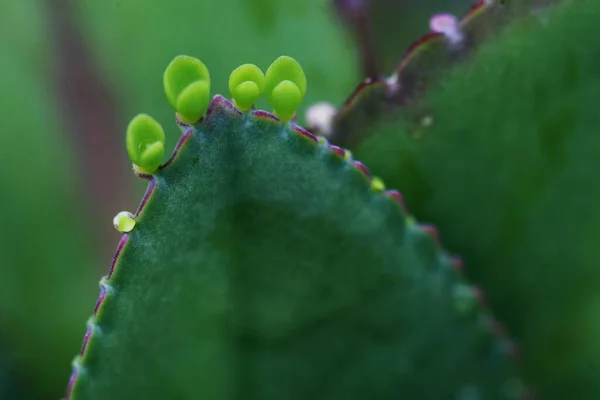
12, 387
426, 61
508, 170
383, 29
264, 265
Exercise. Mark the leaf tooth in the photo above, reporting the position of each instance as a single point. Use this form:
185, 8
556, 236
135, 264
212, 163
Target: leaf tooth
457, 264
72, 380
301, 131
120, 247
430, 230
105, 289
475, 9
187, 134
222, 104
101, 297
337, 150
362, 168
92, 329
77, 371
397, 196
265, 115
480, 295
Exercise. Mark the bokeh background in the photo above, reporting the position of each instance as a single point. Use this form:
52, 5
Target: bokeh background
72, 73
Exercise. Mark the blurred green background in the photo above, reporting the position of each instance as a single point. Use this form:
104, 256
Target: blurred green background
72, 73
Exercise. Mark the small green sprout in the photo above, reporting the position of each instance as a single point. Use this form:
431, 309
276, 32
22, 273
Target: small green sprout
145, 143
377, 184
124, 222
285, 87
187, 87
246, 84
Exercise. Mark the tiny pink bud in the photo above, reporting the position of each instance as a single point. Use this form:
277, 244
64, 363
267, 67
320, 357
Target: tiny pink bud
448, 25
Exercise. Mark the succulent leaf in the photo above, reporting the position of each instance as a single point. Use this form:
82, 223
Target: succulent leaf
285, 87
187, 86
507, 164
265, 263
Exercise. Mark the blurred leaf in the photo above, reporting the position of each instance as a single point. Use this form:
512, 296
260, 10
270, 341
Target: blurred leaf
46, 274
11, 386
508, 165
384, 29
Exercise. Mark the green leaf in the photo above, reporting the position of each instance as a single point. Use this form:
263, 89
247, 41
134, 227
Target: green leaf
508, 168
265, 264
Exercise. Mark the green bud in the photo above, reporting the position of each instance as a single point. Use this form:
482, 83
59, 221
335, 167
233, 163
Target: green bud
246, 84
124, 222
187, 87
377, 184
145, 143
285, 87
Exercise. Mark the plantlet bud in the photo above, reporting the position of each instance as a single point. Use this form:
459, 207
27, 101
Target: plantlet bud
285, 87
187, 87
124, 222
320, 117
449, 26
246, 84
377, 184
347, 155
145, 141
